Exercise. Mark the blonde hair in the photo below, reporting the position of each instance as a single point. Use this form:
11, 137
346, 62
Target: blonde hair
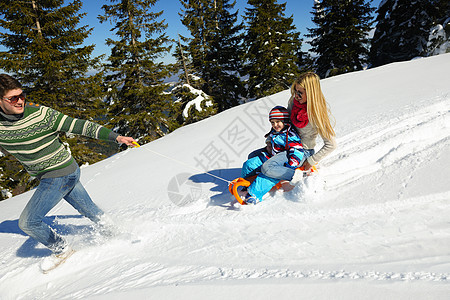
318, 112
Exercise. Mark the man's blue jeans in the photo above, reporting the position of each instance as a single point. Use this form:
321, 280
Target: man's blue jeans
47, 195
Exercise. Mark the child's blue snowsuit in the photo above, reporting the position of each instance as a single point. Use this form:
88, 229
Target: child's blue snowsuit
253, 165
287, 141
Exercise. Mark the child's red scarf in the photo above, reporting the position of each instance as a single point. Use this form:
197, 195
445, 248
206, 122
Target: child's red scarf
299, 115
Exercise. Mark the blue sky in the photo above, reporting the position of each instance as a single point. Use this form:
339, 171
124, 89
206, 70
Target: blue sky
299, 9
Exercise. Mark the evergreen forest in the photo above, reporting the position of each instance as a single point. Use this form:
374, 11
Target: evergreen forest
228, 58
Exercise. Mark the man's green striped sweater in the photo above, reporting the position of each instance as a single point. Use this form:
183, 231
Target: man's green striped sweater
32, 138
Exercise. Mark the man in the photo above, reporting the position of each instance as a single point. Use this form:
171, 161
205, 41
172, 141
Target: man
30, 133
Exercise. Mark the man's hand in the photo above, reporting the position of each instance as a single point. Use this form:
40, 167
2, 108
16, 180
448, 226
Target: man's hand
125, 140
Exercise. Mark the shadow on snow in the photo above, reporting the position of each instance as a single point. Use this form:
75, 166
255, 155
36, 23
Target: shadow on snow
29, 247
221, 178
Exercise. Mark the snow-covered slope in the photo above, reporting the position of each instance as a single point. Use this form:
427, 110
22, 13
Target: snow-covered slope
374, 223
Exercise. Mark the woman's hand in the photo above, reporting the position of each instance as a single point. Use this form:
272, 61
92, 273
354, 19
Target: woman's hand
306, 165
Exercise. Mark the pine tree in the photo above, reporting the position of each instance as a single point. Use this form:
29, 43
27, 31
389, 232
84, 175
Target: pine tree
14, 179
183, 63
340, 39
402, 30
272, 47
44, 52
223, 64
139, 106
46, 57
215, 49
194, 16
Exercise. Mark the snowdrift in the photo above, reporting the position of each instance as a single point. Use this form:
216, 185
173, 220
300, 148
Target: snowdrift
372, 224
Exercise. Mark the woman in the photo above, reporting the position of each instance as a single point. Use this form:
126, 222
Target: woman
310, 117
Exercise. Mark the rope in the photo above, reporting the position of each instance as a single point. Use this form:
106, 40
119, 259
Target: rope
185, 164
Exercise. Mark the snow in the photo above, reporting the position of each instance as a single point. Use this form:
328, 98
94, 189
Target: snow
197, 101
372, 224
439, 36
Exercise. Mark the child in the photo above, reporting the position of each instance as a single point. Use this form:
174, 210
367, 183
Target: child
283, 141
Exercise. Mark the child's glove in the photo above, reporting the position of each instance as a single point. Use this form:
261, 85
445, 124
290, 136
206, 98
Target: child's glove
292, 163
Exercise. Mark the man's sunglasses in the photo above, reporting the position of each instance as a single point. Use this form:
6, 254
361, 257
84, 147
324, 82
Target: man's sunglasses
14, 99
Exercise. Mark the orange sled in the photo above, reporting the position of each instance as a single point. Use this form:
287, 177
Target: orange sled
242, 182
246, 182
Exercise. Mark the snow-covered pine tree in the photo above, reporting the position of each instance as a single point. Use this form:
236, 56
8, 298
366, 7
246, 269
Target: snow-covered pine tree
44, 52
214, 49
189, 54
439, 38
340, 39
188, 88
138, 104
272, 48
402, 30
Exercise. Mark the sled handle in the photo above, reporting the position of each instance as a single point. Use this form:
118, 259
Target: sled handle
234, 186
